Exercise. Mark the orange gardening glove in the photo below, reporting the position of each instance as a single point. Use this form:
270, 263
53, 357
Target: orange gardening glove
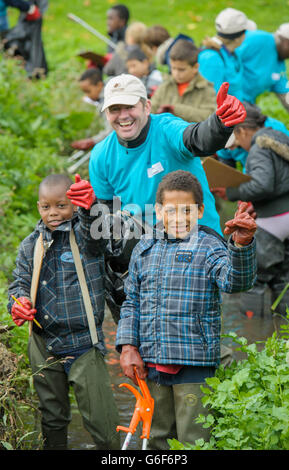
81, 193
243, 226
23, 312
229, 109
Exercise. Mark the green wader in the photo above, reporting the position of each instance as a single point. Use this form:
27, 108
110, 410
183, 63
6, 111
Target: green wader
175, 410
91, 383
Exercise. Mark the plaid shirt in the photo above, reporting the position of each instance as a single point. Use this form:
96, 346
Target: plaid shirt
172, 311
59, 303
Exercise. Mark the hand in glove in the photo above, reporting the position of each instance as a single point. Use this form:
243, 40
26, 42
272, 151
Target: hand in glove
220, 192
22, 313
81, 193
229, 109
166, 108
33, 13
243, 226
83, 144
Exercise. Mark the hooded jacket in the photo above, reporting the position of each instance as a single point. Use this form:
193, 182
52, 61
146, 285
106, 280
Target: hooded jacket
268, 165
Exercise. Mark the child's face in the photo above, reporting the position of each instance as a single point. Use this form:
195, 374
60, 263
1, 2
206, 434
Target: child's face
138, 68
182, 72
91, 90
54, 206
179, 213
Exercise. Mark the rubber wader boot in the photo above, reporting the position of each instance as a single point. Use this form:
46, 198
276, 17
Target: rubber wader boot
54, 439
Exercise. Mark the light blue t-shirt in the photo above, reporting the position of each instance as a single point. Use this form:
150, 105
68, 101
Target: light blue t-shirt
239, 154
222, 66
133, 174
262, 69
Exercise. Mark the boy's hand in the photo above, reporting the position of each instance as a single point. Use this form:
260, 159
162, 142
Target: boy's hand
130, 358
81, 193
22, 313
83, 144
229, 109
243, 226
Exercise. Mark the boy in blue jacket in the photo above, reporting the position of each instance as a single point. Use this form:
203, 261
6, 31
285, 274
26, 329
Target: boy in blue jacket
66, 348
171, 319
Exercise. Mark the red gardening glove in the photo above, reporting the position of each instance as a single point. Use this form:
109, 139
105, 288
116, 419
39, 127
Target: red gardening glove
250, 209
83, 144
166, 108
229, 109
243, 226
221, 192
130, 358
81, 193
33, 13
23, 312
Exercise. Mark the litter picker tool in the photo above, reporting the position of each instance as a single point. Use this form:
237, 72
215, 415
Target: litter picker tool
143, 411
78, 20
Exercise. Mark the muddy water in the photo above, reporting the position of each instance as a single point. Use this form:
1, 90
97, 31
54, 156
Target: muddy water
254, 329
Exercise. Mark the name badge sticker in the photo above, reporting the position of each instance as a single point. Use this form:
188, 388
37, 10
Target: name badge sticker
155, 169
184, 256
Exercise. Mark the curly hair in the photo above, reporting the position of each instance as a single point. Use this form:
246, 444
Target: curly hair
180, 180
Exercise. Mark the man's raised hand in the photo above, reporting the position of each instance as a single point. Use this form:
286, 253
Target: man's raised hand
81, 193
229, 109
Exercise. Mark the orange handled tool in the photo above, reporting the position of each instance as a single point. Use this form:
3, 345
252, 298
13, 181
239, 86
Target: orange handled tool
143, 411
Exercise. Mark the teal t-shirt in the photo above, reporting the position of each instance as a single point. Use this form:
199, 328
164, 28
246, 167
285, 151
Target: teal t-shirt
223, 66
133, 174
262, 69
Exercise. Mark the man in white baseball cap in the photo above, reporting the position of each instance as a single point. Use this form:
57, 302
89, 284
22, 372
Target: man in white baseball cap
131, 161
125, 90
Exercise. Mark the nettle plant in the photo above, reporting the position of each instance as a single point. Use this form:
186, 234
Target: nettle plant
248, 402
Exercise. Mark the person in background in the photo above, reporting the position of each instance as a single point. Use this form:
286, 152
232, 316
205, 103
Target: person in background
33, 12
134, 36
263, 56
268, 190
139, 65
170, 323
158, 39
185, 93
91, 83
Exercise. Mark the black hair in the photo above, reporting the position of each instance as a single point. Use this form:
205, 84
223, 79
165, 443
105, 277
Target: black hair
254, 119
94, 75
122, 11
136, 54
184, 50
180, 180
56, 180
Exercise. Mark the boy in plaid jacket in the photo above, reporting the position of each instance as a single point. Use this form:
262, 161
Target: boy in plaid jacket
171, 319
62, 348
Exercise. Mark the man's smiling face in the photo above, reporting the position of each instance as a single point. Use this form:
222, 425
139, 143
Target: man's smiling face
128, 121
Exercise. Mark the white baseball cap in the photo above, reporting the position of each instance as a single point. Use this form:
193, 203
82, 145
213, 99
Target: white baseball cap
231, 22
124, 89
283, 30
